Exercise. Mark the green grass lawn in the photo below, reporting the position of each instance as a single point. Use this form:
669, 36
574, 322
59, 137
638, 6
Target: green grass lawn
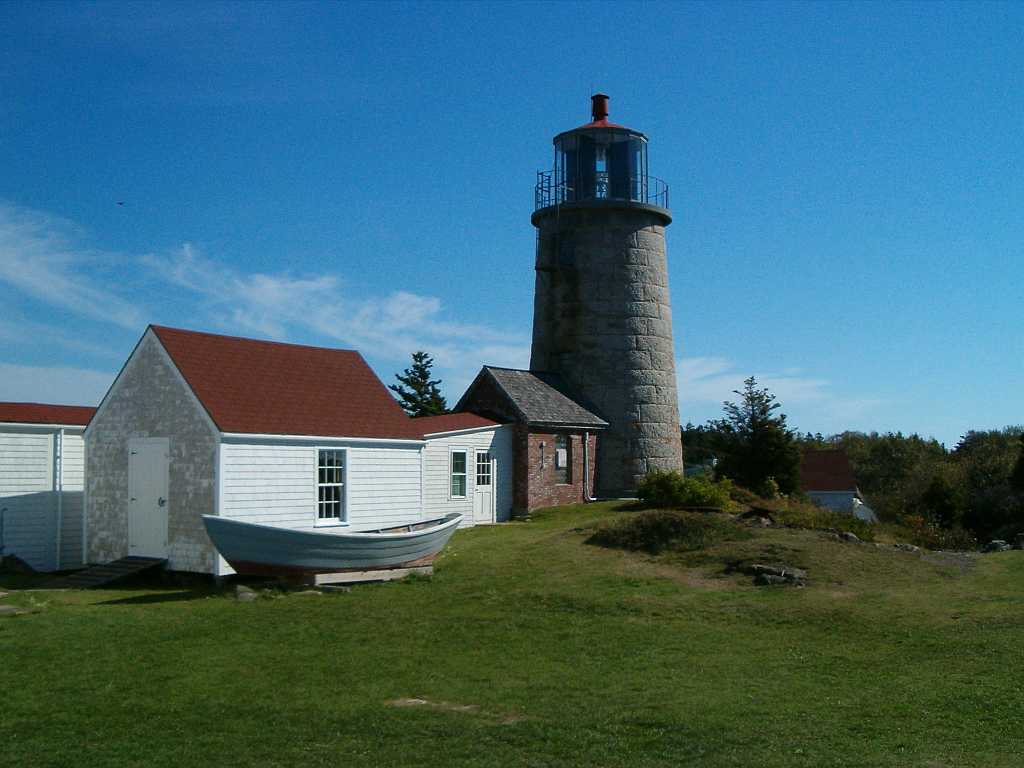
568, 653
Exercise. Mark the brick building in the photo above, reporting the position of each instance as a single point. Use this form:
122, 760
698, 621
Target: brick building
555, 437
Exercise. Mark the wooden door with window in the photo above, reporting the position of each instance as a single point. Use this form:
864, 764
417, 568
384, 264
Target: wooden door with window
483, 489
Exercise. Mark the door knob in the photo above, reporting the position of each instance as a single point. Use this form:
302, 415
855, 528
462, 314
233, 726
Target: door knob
161, 501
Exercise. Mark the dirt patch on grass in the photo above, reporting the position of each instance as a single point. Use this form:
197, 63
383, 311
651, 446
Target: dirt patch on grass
502, 718
960, 563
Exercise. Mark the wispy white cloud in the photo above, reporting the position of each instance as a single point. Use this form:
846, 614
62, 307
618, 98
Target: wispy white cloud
705, 382
53, 384
389, 326
40, 256
17, 331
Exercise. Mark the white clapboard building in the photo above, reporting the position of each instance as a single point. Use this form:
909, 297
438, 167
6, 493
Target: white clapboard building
41, 466
203, 424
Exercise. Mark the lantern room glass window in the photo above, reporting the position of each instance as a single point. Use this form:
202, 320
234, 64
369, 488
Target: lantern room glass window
601, 165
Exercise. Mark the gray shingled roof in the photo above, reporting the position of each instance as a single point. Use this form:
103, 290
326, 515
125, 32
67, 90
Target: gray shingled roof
541, 398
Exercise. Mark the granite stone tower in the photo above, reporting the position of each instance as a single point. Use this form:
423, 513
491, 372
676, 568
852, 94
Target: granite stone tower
602, 316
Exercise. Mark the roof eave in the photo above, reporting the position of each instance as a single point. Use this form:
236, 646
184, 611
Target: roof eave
566, 425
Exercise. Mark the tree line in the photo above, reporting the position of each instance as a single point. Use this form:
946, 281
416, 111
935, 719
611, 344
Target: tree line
977, 486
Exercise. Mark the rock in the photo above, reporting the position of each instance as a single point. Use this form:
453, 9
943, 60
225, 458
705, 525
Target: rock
1018, 543
906, 547
849, 538
244, 593
765, 575
996, 545
334, 588
8, 610
3, 595
758, 516
307, 592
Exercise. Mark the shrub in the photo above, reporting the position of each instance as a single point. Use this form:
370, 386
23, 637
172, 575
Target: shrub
740, 494
918, 530
671, 489
801, 514
768, 489
660, 530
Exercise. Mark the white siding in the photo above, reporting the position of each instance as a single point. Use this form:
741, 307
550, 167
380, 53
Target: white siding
436, 483
26, 463
29, 500
73, 482
274, 483
74, 462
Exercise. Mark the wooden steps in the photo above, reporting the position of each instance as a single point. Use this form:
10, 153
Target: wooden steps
108, 573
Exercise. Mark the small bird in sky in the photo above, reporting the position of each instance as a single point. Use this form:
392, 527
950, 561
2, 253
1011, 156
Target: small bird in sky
120, 202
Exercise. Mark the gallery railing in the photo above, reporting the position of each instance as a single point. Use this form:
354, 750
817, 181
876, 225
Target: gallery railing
638, 189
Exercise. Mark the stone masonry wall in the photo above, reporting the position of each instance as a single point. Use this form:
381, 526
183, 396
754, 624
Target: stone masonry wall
151, 401
603, 320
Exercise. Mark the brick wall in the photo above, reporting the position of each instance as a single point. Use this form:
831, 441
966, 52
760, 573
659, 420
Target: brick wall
539, 484
535, 487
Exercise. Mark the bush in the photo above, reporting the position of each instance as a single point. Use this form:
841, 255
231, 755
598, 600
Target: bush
801, 514
768, 489
671, 489
660, 530
740, 494
916, 529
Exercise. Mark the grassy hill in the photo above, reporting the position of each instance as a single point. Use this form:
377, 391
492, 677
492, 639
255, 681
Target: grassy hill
531, 647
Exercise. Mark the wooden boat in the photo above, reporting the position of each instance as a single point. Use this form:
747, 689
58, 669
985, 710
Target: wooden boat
263, 550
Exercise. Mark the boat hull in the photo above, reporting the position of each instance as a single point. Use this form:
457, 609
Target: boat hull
264, 550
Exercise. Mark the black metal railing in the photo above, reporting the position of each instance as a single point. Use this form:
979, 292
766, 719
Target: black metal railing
639, 189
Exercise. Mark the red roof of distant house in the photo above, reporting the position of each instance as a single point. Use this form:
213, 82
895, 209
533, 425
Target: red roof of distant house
452, 422
827, 470
266, 387
42, 413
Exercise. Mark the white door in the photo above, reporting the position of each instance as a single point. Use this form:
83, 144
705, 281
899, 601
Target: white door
483, 489
147, 496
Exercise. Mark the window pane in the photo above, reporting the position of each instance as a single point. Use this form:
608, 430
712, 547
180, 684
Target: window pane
483, 468
459, 461
458, 485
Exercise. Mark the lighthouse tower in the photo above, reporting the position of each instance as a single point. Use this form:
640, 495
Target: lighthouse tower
602, 317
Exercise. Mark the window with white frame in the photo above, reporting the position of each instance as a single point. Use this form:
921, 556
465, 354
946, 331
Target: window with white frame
483, 468
330, 485
458, 474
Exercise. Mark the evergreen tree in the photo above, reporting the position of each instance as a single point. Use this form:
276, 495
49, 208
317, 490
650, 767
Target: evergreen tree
417, 392
942, 503
1017, 476
756, 442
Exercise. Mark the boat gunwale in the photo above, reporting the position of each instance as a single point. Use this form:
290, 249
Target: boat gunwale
373, 534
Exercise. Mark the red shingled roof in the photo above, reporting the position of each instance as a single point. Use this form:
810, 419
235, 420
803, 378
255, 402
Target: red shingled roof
265, 387
42, 413
450, 422
827, 470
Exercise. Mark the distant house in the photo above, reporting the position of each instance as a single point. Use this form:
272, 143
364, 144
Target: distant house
301, 437
826, 476
41, 468
554, 437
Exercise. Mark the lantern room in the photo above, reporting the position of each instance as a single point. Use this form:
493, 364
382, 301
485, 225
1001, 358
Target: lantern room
600, 161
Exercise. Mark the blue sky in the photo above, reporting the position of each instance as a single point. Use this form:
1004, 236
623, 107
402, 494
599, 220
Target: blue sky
847, 185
